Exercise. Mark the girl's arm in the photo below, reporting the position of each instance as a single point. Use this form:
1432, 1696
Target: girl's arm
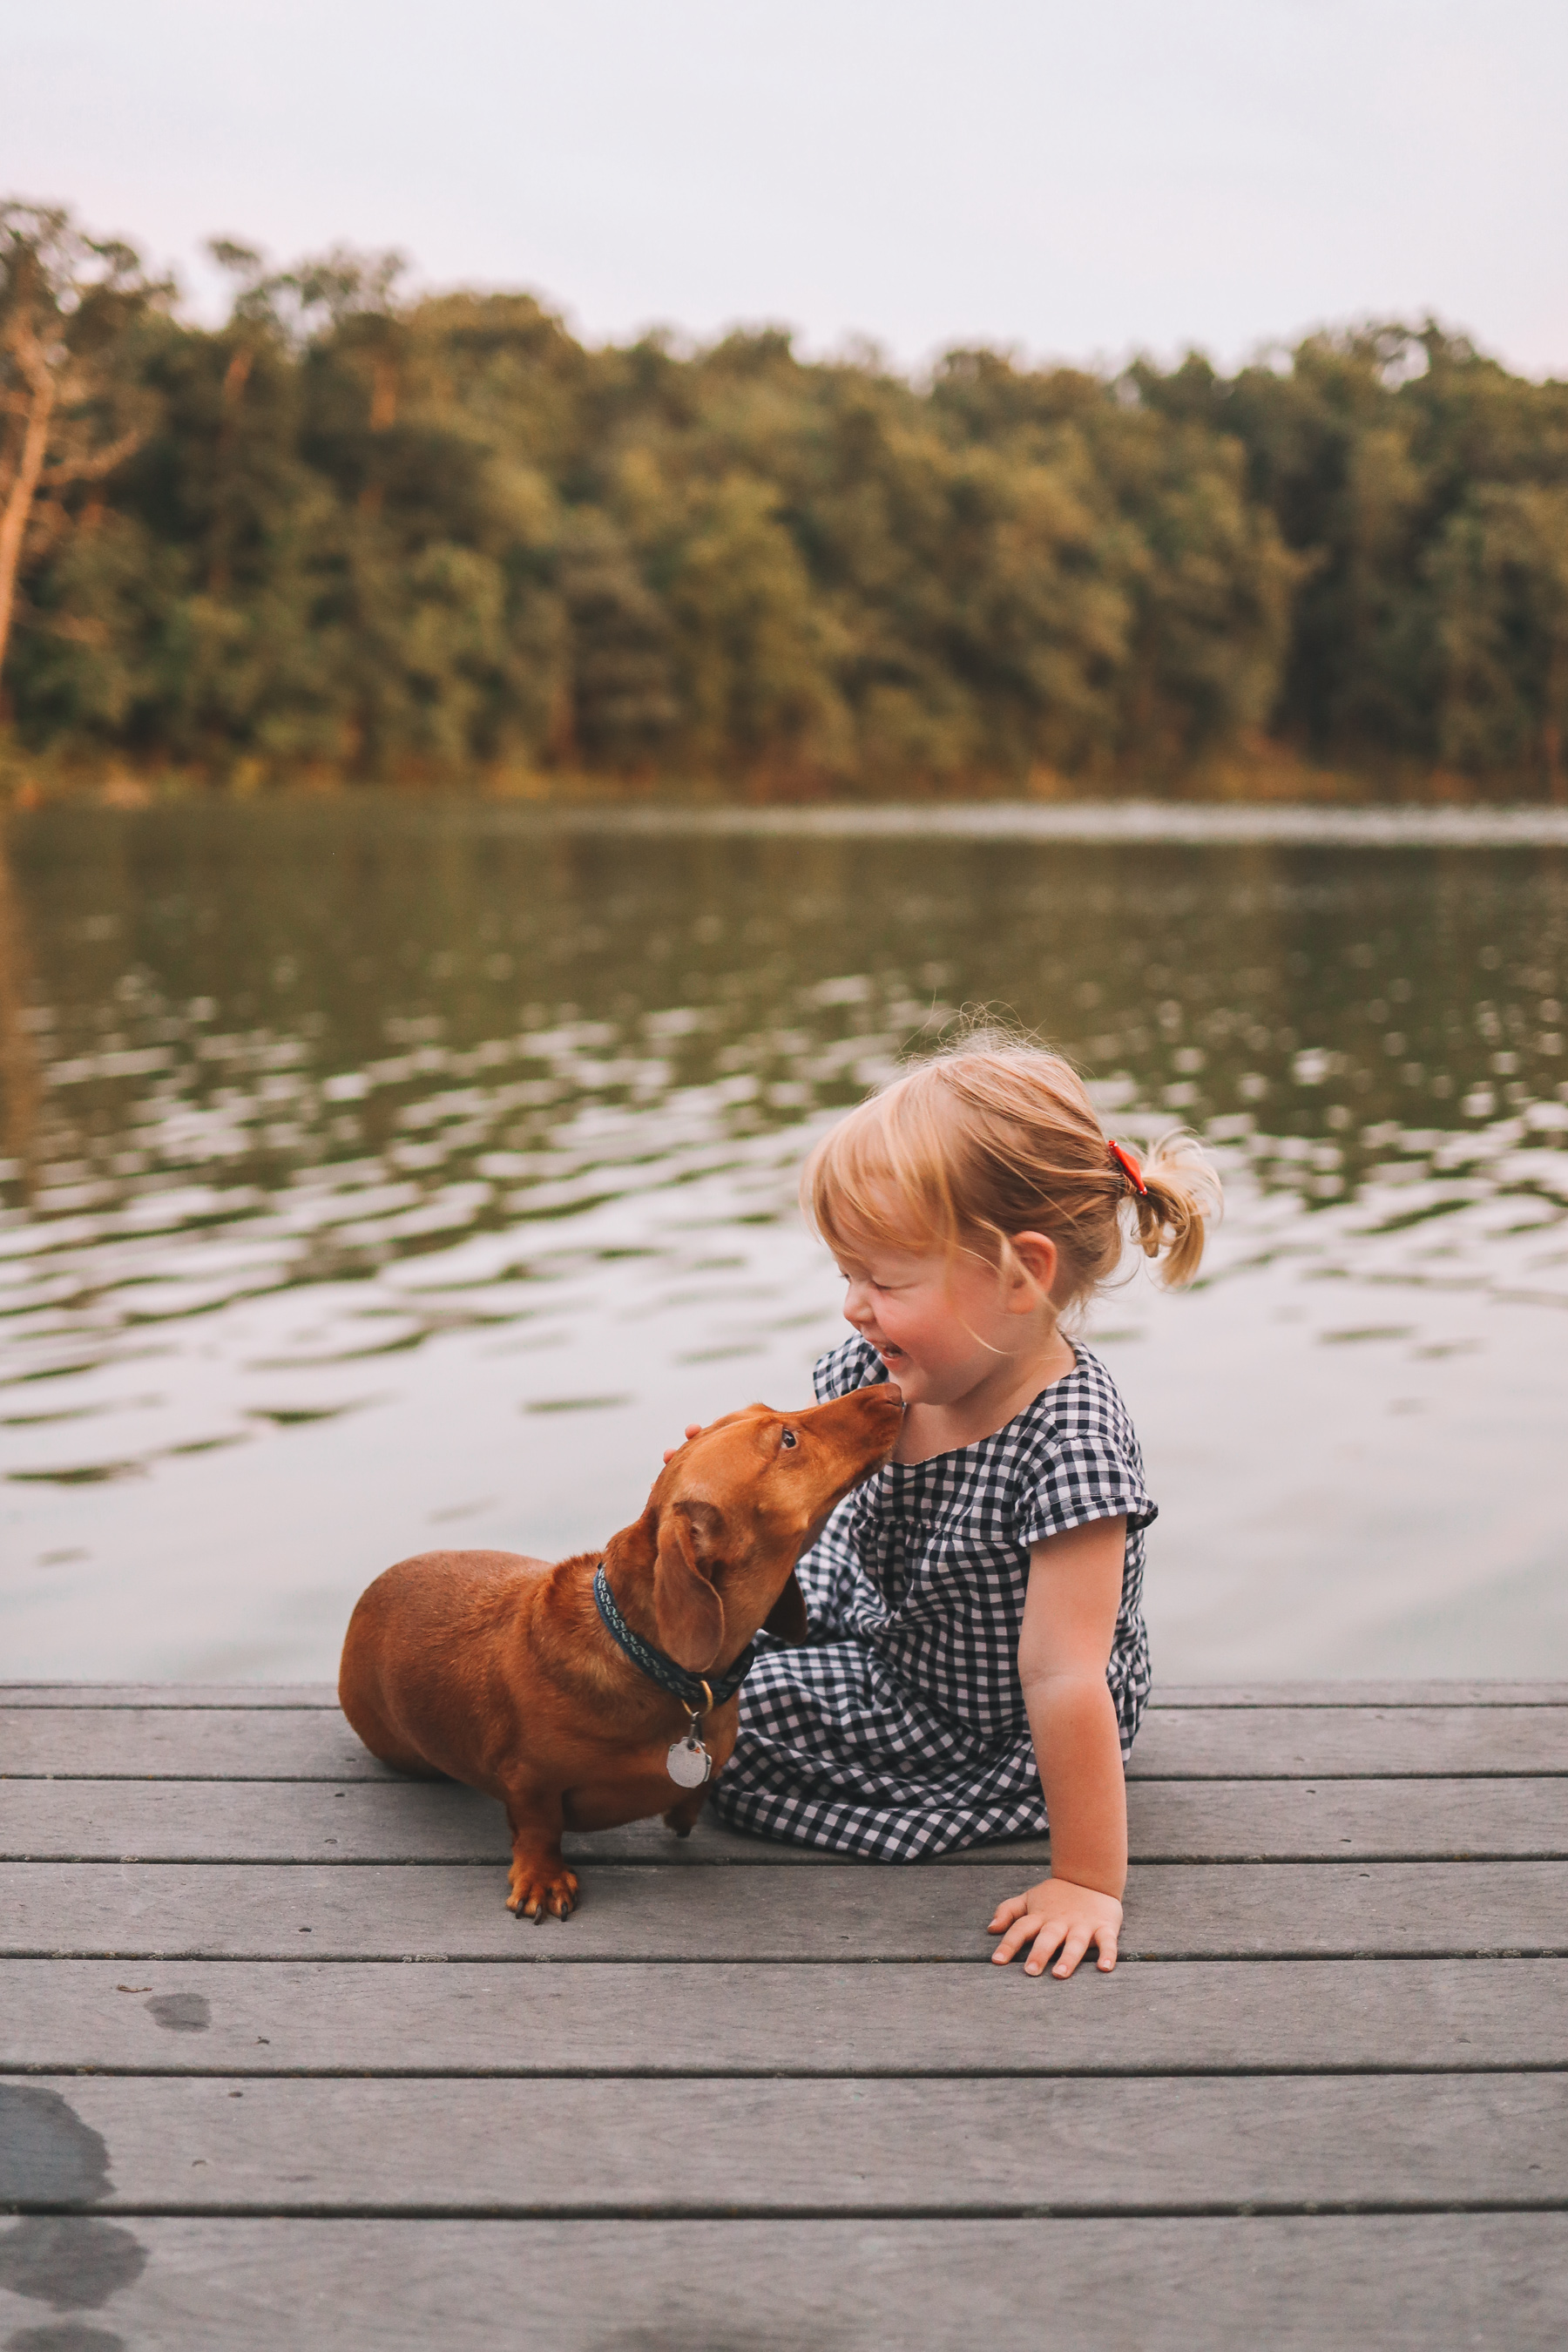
1069, 1619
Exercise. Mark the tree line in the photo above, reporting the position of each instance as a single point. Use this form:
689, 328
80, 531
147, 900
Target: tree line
429, 536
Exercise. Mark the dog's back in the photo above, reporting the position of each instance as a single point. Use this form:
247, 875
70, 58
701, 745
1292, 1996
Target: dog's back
418, 1648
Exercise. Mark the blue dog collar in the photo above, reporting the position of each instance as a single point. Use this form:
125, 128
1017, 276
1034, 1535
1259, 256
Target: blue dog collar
695, 1693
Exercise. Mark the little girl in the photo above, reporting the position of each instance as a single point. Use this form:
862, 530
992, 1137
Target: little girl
976, 1662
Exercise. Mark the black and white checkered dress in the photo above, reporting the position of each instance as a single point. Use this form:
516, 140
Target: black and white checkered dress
899, 1729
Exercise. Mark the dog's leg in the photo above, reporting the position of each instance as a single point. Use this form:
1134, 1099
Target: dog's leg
682, 1815
540, 1886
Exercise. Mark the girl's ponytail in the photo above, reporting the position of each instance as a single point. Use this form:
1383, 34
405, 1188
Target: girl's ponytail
1180, 1194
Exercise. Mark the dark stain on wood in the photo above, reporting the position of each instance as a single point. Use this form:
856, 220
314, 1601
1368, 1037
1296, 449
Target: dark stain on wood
181, 2013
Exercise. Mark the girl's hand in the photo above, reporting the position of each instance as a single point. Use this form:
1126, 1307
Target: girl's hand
693, 1429
1057, 1911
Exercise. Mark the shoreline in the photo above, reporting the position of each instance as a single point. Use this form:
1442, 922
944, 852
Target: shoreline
1090, 823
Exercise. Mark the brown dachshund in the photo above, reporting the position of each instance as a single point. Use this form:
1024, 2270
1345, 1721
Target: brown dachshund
509, 1673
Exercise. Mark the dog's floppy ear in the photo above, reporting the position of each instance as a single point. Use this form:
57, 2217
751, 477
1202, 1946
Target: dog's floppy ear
686, 1610
785, 1621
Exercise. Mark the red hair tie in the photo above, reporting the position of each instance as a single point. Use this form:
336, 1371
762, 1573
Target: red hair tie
1130, 1169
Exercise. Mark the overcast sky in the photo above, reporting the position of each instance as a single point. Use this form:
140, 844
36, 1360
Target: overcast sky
1074, 178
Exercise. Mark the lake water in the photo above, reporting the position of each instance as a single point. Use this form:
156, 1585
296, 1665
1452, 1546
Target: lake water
386, 1173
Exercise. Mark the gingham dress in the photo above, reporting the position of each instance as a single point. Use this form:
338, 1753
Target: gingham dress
898, 1728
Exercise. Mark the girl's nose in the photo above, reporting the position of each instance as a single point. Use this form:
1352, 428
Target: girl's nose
857, 1304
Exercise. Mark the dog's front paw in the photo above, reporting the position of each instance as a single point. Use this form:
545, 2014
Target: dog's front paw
540, 1887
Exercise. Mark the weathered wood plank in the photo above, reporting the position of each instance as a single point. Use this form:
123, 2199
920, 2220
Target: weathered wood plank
195, 1743
1284, 1821
177, 1821
1440, 2282
1206, 1743
1312, 1910
1298, 1743
1194, 2144
1181, 2017
170, 1695
1414, 1693
1388, 1821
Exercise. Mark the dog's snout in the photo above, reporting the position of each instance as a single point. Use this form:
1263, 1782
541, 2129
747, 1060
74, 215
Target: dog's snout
868, 1422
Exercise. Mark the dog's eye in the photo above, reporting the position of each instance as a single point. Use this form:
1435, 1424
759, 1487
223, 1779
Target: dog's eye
789, 1438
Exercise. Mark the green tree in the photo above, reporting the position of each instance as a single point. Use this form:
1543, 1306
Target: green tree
408, 536
73, 408
1501, 573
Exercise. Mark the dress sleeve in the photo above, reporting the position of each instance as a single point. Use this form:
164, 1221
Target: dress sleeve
1082, 1476
854, 1365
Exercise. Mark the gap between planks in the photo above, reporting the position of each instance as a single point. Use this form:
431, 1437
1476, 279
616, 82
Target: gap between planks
723, 2207
152, 1696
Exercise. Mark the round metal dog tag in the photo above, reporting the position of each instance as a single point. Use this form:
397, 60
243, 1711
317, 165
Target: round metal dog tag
689, 1763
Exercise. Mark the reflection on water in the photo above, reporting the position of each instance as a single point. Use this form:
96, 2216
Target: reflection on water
406, 1174
20, 1086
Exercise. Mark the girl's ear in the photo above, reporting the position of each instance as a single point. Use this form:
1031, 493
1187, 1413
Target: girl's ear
1038, 1262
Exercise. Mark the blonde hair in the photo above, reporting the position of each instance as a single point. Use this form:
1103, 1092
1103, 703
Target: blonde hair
996, 1137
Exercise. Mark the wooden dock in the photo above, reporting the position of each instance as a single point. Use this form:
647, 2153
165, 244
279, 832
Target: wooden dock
279, 2069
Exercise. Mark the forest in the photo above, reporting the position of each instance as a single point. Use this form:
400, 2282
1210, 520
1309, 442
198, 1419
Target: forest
428, 538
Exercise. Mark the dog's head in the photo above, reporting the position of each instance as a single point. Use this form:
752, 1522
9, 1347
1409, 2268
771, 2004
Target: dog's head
734, 1508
